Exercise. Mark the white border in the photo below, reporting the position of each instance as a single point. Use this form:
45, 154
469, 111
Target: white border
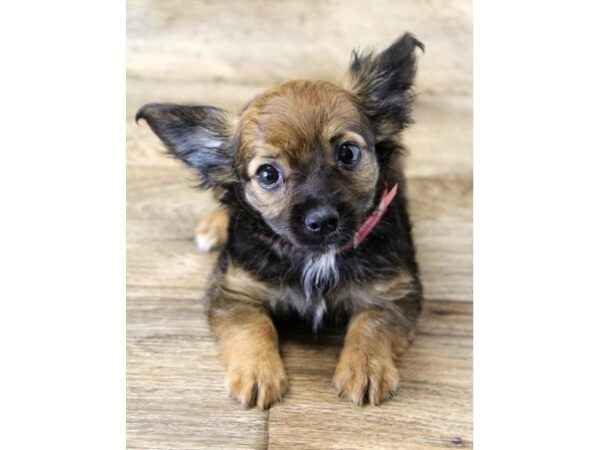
62, 182
537, 224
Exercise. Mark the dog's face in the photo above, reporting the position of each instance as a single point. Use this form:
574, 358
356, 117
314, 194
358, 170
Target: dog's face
306, 158
306, 155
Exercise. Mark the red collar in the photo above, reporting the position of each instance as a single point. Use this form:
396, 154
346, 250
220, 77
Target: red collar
373, 219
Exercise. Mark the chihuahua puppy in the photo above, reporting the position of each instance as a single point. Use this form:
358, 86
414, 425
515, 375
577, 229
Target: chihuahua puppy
313, 221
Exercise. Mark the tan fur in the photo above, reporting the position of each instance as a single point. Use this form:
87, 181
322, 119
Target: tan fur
241, 286
249, 348
211, 231
366, 368
376, 336
380, 292
248, 340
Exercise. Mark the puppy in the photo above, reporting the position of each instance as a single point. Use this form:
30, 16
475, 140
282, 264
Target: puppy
313, 221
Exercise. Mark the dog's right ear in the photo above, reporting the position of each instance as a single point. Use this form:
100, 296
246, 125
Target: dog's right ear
200, 136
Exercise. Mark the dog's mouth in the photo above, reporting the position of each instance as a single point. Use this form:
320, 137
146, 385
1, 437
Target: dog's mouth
287, 246
278, 243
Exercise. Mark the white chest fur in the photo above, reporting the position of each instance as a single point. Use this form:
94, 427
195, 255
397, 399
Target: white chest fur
320, 271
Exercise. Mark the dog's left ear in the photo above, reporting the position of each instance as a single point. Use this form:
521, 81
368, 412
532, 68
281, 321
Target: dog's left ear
200, 136
383, 83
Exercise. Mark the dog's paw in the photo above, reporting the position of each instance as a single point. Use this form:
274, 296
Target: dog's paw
361, 376
261, 382
211, 232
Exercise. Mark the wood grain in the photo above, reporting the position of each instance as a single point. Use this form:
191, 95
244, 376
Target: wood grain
182, 40
224, 53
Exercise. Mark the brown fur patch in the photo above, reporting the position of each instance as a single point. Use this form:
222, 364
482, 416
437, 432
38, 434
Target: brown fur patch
366, 368
249, 349
248, 340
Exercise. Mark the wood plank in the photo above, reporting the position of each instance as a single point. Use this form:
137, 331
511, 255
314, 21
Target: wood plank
263, 43
445, 256
174, 264
440, 142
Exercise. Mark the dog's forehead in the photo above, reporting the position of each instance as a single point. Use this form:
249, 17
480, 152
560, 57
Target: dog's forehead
293, 119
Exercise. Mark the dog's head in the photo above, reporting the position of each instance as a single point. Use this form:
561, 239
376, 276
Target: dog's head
306, 155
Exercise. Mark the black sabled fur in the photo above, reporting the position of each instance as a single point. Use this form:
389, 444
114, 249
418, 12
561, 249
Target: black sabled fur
384, 83
197, 135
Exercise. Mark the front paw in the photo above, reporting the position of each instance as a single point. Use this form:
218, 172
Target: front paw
259, 380
360, 375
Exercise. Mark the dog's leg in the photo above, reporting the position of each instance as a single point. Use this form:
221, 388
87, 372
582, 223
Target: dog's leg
376, 337
211, 232
248, 342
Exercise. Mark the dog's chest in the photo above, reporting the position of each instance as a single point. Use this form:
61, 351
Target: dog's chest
311, 299
319, 273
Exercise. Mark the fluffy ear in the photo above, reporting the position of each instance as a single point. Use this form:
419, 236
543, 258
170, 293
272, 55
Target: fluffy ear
200, 136
383, 82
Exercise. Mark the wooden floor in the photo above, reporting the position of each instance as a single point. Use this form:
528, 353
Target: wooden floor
223, 53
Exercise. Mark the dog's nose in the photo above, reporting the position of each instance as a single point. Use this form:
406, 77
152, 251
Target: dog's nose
322, 220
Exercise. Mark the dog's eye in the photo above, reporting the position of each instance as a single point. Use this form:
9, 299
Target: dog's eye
268, 176
348, 154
